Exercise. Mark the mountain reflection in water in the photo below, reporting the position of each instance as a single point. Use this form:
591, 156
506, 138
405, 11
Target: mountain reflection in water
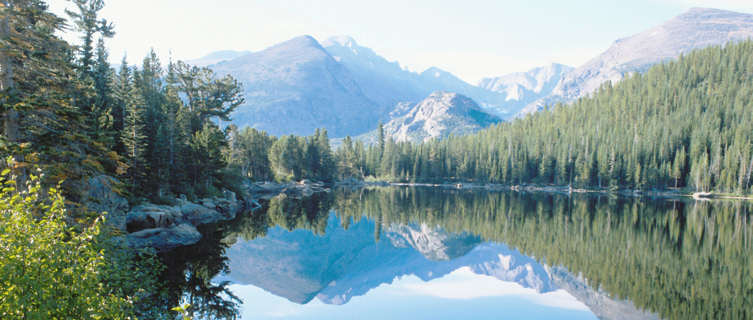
432, 253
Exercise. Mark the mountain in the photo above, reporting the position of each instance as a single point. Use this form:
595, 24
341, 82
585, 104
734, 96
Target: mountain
217, 57
387, 83
597, 300
300, 84
439, 115
384, 82
522, 88
432, 243
694, 29
490, 259
342, 263
295, 87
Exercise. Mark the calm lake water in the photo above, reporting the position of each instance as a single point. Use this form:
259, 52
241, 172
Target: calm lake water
427, 253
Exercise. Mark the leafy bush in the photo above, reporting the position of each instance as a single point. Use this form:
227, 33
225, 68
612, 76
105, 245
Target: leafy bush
50, 270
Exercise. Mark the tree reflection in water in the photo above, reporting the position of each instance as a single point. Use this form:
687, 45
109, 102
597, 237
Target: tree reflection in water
680, 259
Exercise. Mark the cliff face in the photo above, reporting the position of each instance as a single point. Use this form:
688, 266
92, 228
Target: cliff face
440, 115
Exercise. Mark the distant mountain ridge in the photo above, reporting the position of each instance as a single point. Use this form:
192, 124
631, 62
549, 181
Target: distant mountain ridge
299, 85
342, 263
697, 28
217, 57
440, 115
295, 87
523, 88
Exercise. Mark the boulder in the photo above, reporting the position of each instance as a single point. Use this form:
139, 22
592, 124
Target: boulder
101, 197
149, 216
166, 227
163, 239
227, 208
198, 214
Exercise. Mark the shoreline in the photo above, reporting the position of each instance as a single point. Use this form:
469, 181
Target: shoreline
657, 193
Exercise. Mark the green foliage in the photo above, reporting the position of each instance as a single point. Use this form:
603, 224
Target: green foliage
183, 311
683, 124
680, 259
287, 158
176, 140
49, 270
249, 153
42, 120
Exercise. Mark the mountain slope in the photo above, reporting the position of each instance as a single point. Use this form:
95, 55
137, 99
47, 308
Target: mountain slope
598, 301
342, 263
439, 115
299, 85
217, 57
682, 124
295, 87
387, 83
382, 81
522, 88
694, 29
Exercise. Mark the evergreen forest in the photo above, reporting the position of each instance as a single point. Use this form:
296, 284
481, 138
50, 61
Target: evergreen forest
684, 124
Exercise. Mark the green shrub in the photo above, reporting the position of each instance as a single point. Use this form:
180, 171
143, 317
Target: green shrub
49, 270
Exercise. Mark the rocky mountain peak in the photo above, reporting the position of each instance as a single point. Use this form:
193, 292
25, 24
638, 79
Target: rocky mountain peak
439, 115
706, 14
343, 41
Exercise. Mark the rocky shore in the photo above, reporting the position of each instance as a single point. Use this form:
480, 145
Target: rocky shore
165, 227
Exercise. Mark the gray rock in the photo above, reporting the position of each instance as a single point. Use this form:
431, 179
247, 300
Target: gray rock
198, 214
167, 227
100, 197
440, 115
299, 85
227, 208
183, 234
149, 216
523, 88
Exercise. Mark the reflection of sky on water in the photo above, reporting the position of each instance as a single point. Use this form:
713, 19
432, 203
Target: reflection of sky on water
462, 294
413, 272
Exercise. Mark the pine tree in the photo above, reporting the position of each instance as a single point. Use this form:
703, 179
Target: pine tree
326, 159
133, 136
106, 112
86, 21
37, 86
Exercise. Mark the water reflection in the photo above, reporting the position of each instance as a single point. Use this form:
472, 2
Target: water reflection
409, 265
440, 252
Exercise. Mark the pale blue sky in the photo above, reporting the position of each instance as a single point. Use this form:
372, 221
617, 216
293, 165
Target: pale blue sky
471, 39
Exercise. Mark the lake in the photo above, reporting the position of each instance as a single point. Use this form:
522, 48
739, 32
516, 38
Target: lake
434, 253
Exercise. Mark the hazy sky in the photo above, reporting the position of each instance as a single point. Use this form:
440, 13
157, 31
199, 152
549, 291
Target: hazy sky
470, 38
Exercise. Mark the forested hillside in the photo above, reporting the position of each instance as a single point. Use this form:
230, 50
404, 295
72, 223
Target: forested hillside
681, 124
68, 117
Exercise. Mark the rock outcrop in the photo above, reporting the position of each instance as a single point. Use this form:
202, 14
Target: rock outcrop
300, 189
166, 227
439, 115
101, 197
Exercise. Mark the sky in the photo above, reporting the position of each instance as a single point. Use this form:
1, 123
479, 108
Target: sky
453, 296
472, 38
